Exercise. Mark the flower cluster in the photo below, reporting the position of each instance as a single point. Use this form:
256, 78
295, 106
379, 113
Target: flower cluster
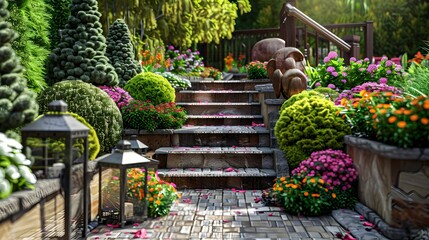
334, 166
176, 81
146, 116
15, 173
419, 57
368, 87
153, 60
229, 62
120, 96
256, 70
309, 196
184, 62
335, 75
161, 195
211, 72
396, 120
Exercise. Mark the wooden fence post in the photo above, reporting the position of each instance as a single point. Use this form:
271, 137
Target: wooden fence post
287, 26
354, 42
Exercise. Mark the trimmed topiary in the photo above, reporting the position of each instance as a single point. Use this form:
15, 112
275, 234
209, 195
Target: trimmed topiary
120, 52
309, 125
18, 104
80, 55
151, 86
304, 94
91, 103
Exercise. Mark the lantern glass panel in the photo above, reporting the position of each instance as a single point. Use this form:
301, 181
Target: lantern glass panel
134, 199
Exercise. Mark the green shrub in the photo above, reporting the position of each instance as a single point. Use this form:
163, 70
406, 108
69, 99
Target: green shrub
120, 52
91, 103
18, 104
144, 115
80, 55
296, 97
256, 70
57, 146
176, 81
309, 124
152, 87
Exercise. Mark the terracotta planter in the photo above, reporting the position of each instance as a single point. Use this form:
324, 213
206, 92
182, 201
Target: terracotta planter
393, 181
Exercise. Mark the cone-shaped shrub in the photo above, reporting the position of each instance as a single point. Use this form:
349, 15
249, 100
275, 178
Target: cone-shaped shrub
120, 52
18, 104
90, 102
80, 55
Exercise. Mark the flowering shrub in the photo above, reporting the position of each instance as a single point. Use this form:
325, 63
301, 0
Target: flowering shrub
144, 115
334, 166
389, 118
309, 196
153, 60
333, 74
184, 62
119, 95
176, 81
256, 70
211, 72
161, 195
15, 173
368, 87
231, 64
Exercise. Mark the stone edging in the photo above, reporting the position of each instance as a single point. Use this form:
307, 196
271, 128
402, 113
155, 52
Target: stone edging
388, 150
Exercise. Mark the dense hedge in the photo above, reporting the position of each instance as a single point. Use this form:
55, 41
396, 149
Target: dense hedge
152, 87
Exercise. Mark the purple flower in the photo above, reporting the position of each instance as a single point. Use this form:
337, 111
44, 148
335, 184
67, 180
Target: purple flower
389, 63
317, 84
343, 80
384, 58
171, 47
389, 71
326, 59
366, 60
330, 69
331, 86
332, 55
371, 68
344, 74
383, 80
352, 59
335, 74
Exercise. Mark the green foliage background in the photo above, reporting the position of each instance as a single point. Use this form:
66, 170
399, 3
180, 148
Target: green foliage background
59, 11
31, 20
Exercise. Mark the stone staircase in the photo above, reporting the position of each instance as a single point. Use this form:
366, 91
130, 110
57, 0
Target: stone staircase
224, 143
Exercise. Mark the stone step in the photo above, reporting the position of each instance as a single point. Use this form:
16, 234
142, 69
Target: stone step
217, 96
219, 172
221, 136
216, 108
215, 157
244, 84
224, 120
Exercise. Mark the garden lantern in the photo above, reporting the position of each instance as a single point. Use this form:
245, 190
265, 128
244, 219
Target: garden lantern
123, 185
138, 146
57, 128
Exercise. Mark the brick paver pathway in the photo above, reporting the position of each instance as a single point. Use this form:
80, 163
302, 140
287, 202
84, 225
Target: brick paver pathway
226, 214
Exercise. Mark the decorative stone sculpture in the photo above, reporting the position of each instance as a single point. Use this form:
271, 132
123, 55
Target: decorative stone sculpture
286, 71
264, 50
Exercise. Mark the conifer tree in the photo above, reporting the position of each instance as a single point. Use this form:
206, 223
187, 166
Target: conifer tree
80, 55
120, 52
18, 104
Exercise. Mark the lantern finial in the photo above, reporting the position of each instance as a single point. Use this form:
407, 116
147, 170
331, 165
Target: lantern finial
58, 106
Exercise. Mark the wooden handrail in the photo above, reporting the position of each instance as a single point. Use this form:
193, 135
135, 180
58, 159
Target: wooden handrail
293, 11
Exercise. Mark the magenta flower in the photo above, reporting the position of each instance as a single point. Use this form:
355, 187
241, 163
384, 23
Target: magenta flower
383, 80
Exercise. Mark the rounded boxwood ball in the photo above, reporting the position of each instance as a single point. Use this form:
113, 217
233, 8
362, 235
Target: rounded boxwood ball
150, 86
90, 102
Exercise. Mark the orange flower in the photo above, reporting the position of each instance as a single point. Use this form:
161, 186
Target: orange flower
424, 121
372, 110
315, 195
306, 194
407, 112
334, 195
392, 119
294, 186
282, 179
388, 94
414, 102
344, 101
426, 105
326, 190
151, 189
321, 181
304, 180
383, 111
414, 117
151, 199
158, 202
312, 180
280, 189
402, 124
386, 105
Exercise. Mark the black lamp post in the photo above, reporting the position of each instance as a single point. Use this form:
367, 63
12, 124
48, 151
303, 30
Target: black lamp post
59, 125
113, 181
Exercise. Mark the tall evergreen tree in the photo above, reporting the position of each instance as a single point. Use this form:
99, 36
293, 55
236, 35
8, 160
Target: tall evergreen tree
60, 12
18, 104
31, 20
120, 52
80, 55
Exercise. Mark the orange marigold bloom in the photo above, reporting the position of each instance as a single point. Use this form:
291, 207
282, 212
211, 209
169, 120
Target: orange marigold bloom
383, 111
424, 121
362, 92
280, 189
151, 199
313, 180
388, 94
426, 105
158, 202
398, 112
374, 116
372, 110
414, 102
407, 112
344, 101
402, 124
304, 180
315, 195
321, 181
326, 190
392, 119
414, 117
306, 194
282, 179
294, 186
151, 189
334, 195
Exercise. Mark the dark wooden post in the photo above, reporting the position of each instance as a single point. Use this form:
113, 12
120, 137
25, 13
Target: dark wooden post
287, 26
354, 42
369, 40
